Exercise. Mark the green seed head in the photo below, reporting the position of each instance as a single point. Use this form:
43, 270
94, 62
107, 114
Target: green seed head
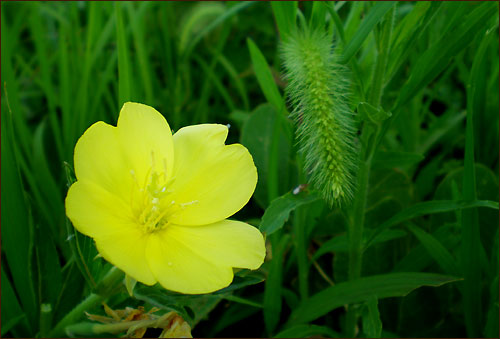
318, 90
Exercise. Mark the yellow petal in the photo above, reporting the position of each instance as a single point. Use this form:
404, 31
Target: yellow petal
94, 211
119, 159
106, 218
127, 251
99, 159
146, 139
211, 181
228, 243
178, 268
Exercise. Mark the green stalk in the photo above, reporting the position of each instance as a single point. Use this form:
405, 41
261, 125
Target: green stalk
300, 240
45, 319
356, 227
353, 63
357, 219
105, 289
88, 329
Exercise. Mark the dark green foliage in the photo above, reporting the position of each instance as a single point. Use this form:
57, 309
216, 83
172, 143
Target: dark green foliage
405, 91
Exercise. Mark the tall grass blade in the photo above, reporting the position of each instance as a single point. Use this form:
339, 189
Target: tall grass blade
363, 289
376, 14
124, 70
471, 241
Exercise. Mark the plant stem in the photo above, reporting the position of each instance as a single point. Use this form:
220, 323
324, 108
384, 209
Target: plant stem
356, 235
368, 135
75, 314
106, 288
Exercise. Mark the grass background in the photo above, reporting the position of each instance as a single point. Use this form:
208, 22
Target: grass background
432, 198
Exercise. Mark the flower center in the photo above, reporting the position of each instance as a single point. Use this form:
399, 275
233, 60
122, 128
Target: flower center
153, 202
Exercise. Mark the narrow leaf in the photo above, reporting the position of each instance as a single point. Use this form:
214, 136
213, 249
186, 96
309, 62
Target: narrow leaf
372, 325
376, 14
363, 289
265, 77
430, 207
471, 240
278, 212
272, 293
391, 159
285, 13
437, 251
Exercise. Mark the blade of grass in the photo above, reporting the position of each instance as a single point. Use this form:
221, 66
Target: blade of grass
240, 86
216, 81
376, 14
38, 33
10, 88
265, 77
429, 207
437, 57
124, 71
285, 14
272, 293
17, 228
372, 325
353, 62
318, 15
220, 19
471, 240
82, 118
361, 290
437, 251
12, 314
136, 17
202, 111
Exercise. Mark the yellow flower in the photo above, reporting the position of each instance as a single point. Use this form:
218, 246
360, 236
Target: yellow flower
156, 204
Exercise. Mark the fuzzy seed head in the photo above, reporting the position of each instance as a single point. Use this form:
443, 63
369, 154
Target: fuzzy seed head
318, 90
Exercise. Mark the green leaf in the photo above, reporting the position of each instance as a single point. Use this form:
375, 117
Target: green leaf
193, 308
278, 212
437, 251
265, 77
234, 313
124, 70
285, 13
376, 14
437, 57
471, 240
45, 180
307, 331
361, 290
17, 228
372, 325
393, 159
341, 243
259, 134
371, 114
12, 313
50, 277
242, 279
419, 259
230, 12
202, 14
318, 15
272, 292
430, 207
407, 32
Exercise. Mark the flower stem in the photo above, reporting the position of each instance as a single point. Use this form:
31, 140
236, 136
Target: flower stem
105, 289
